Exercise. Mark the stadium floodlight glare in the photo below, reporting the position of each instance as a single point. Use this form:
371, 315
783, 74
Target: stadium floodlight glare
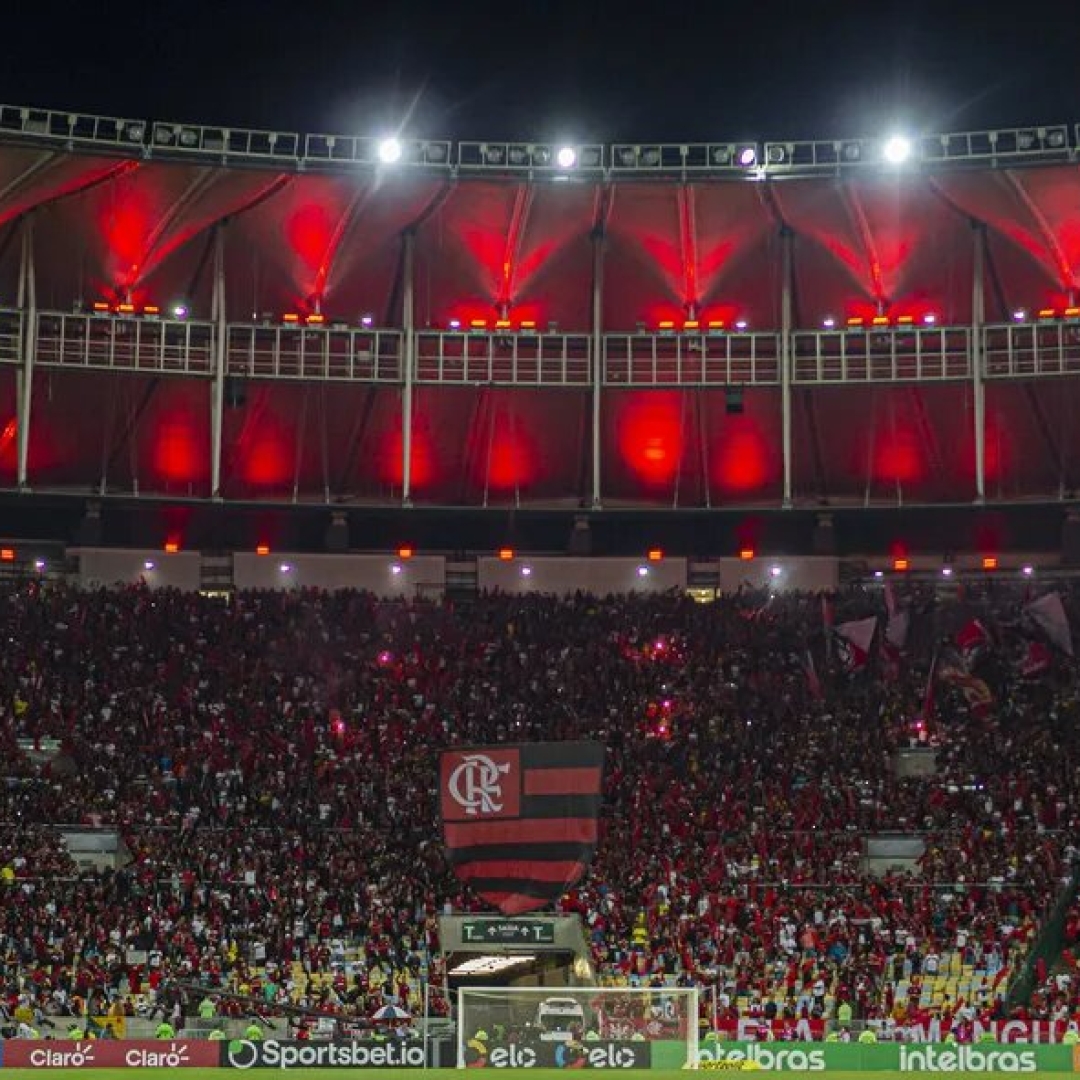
642, 571
775, 571
566, 157
828, 322
390, 151
1019, 315
526, 571
148, 565
896, 149
180, 310
1028, 571
747, 156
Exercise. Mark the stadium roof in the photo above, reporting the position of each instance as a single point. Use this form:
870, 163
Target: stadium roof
880, 414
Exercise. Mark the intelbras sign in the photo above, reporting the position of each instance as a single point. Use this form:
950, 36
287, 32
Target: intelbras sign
272, 1054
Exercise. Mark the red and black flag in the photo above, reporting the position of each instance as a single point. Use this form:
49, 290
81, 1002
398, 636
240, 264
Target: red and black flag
521, 822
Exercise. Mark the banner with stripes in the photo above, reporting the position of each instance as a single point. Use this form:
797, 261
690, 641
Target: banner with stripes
520, 823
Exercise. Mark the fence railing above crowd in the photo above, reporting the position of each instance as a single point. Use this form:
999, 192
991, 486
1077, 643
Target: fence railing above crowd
84, 341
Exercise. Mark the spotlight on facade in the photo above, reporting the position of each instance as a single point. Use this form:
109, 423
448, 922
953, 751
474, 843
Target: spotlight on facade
896, 149
566, 157
390, 151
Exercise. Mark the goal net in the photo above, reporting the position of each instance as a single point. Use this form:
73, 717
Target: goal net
566, 1027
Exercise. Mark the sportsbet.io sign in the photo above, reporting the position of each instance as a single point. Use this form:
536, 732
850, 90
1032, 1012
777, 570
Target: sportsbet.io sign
356, 1054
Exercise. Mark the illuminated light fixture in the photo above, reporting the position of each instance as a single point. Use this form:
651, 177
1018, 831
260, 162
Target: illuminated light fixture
39, 564
775, 571
528, 324
125, 309
879, 573
946, 571
478, 324
880, 320
262, 549
666, 324
828, 322
151, 311
1019, 315
100, 307
990, 562
896, 149
405, 552
526, 571
493, 155
929, 319
1072, 312
506, 554
642, 571
655, 554
904, 320
566, 158
502, 324
367, 321
290, 318
285, 567
716, 324
390, 151
395, 568
1047, 313
7, 554
741, 324
851, 151
1028, 571
518, 155
776, 154
855, 320
746, 554
315, 319
491, 965
455, 324
747, 156
172, 547
691, 324
148, 564
180, 311
901, 564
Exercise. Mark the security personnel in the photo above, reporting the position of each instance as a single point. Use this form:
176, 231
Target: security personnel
165, 1030
868, 1036
216, 1035
75, 1032
253, 1032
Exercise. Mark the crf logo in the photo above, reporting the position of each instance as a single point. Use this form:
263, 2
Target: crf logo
476, 784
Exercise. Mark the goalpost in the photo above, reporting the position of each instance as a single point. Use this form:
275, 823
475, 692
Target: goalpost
560, 1027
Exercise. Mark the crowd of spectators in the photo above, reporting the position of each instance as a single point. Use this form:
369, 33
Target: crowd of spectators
269, 761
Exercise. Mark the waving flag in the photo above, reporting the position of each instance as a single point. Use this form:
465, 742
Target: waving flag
520, 822
1049, 615
979, 698
971, 640
853, 641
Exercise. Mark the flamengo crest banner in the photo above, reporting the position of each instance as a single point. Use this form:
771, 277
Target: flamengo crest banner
520, 822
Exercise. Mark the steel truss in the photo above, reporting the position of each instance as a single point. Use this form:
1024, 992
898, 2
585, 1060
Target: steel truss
754, 159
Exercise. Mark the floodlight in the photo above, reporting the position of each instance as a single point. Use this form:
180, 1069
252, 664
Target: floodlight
526, 571
541, 155
180, 310
135, 132
642, 571
390, 151
1019, 315
828, 322
851, 151
1055, 138
518, 155
896, 150
493, 155
628, 156
776, 154
721, 155
566, 157
747, 156
189, 137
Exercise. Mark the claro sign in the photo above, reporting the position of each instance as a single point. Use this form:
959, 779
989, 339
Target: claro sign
354, 1054
106, 1054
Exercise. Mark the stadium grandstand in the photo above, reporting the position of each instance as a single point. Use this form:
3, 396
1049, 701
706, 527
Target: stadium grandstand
752, 463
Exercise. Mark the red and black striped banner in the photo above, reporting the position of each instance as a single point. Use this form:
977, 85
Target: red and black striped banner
520, 822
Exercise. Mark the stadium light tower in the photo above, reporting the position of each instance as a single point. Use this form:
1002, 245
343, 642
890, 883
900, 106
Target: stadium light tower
390, 151
896, 149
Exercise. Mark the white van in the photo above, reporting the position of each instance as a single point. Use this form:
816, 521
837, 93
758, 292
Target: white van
556, 1017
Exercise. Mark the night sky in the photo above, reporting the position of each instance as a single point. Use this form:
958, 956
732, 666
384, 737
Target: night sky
562, 69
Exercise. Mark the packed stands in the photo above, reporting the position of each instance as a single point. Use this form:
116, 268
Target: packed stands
269, 764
